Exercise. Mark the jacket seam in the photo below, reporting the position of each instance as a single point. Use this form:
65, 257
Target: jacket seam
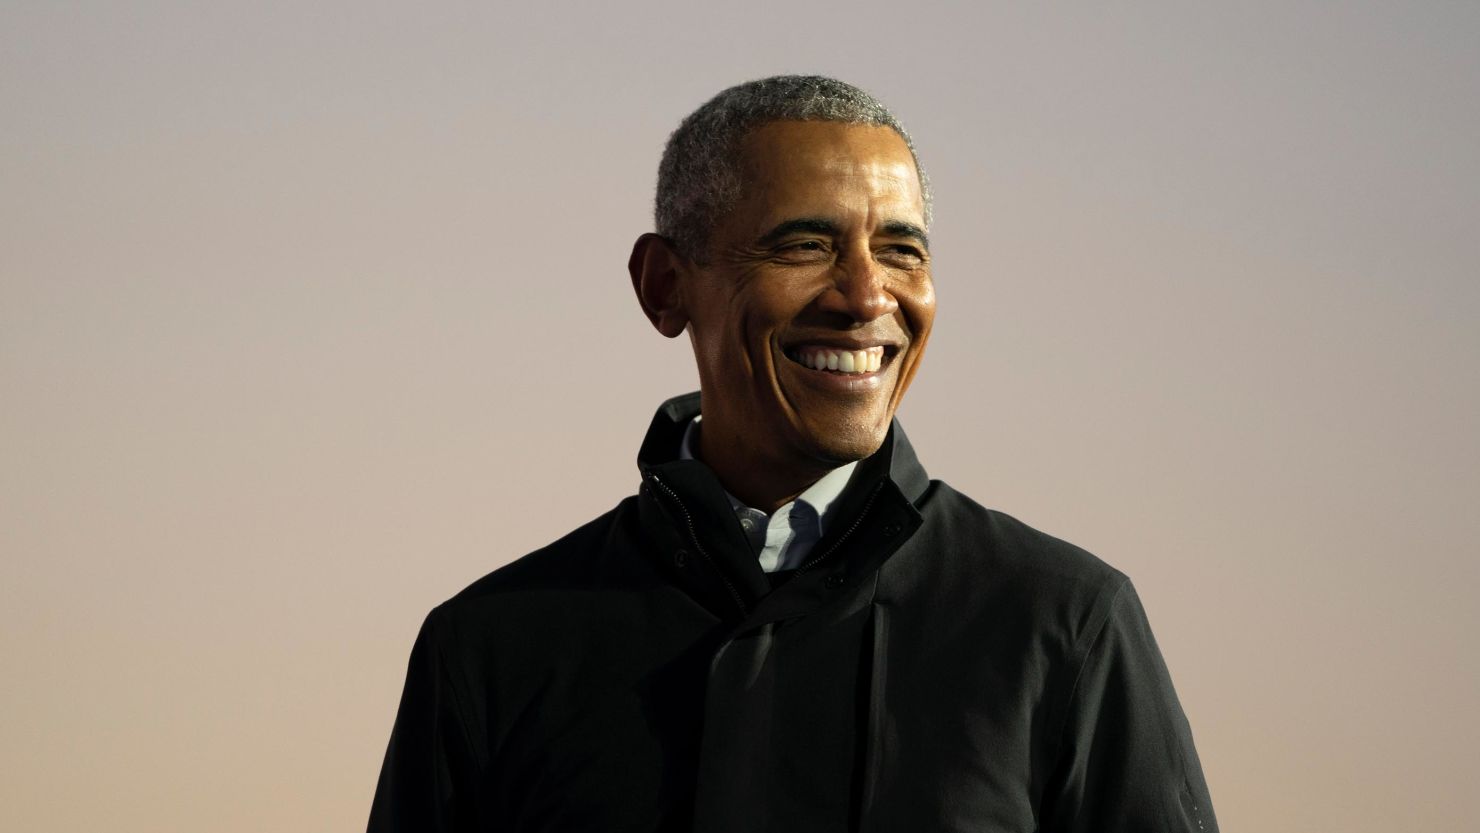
459, 702
878, 708
1082, 651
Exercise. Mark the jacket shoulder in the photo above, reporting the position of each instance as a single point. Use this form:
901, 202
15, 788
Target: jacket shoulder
582, 558
1008, 543
978, 556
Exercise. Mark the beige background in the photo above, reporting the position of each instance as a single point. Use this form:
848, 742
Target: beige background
310, 314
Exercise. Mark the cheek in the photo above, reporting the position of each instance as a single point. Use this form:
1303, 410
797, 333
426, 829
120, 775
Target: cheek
766, 315
917, 302
739, 346
719, 332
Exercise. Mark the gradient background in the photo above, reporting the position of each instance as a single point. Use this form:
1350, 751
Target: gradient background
311, 316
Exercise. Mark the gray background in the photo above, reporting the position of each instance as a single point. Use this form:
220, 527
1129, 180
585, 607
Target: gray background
310, 314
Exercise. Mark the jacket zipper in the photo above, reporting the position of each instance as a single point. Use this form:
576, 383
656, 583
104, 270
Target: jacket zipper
693, 536
849, 531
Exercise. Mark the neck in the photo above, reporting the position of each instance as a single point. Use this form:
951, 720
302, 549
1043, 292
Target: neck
758, 480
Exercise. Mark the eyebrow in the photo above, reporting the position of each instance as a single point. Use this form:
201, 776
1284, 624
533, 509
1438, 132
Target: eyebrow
819, 225
897, 228
811, 225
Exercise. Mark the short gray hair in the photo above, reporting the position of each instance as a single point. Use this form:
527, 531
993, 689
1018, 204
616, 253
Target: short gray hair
699, 178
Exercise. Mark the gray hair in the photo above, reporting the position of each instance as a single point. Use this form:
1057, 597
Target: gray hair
699, 180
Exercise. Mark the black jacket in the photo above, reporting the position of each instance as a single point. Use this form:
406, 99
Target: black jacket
934, 666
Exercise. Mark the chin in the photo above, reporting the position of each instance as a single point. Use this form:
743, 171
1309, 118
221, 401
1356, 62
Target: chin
845, 444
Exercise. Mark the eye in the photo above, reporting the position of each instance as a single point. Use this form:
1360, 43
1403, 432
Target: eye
902, 255
803, 250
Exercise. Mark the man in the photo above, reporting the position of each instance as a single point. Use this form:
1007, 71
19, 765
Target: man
790, 627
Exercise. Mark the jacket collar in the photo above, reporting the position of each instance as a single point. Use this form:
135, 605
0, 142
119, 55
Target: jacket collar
697, 539
895, 459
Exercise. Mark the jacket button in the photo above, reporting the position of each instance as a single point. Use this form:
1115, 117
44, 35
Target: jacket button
680, 558
833, 582
891, 530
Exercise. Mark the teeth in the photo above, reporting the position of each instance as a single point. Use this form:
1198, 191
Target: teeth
841, 361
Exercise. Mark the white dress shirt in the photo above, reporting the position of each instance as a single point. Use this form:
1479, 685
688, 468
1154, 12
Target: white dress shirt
782, 539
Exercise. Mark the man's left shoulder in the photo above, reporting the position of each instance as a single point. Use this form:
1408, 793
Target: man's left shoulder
969, 545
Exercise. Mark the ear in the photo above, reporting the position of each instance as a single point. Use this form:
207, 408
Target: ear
655, 267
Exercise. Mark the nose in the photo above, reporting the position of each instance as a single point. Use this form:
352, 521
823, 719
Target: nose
859, 288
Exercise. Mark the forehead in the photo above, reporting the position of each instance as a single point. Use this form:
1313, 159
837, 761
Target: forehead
826, 167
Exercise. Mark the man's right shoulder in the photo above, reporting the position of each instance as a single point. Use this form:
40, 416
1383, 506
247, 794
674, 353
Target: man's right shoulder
583, 559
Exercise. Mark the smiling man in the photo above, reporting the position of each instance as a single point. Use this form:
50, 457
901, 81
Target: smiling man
791, 627
808, 304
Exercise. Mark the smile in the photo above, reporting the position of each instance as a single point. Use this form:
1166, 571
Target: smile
843, 362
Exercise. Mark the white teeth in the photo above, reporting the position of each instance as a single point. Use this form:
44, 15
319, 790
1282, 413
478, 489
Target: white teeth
841, 361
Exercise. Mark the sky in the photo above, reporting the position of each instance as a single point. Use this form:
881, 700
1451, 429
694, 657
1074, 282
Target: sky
312, 314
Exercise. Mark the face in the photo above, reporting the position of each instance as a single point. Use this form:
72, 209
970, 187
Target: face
811, 311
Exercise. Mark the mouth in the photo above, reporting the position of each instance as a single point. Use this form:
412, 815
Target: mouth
837, 369
839, 361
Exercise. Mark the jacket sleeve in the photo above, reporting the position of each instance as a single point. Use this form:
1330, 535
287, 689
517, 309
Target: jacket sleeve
1125, 760
428, 763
